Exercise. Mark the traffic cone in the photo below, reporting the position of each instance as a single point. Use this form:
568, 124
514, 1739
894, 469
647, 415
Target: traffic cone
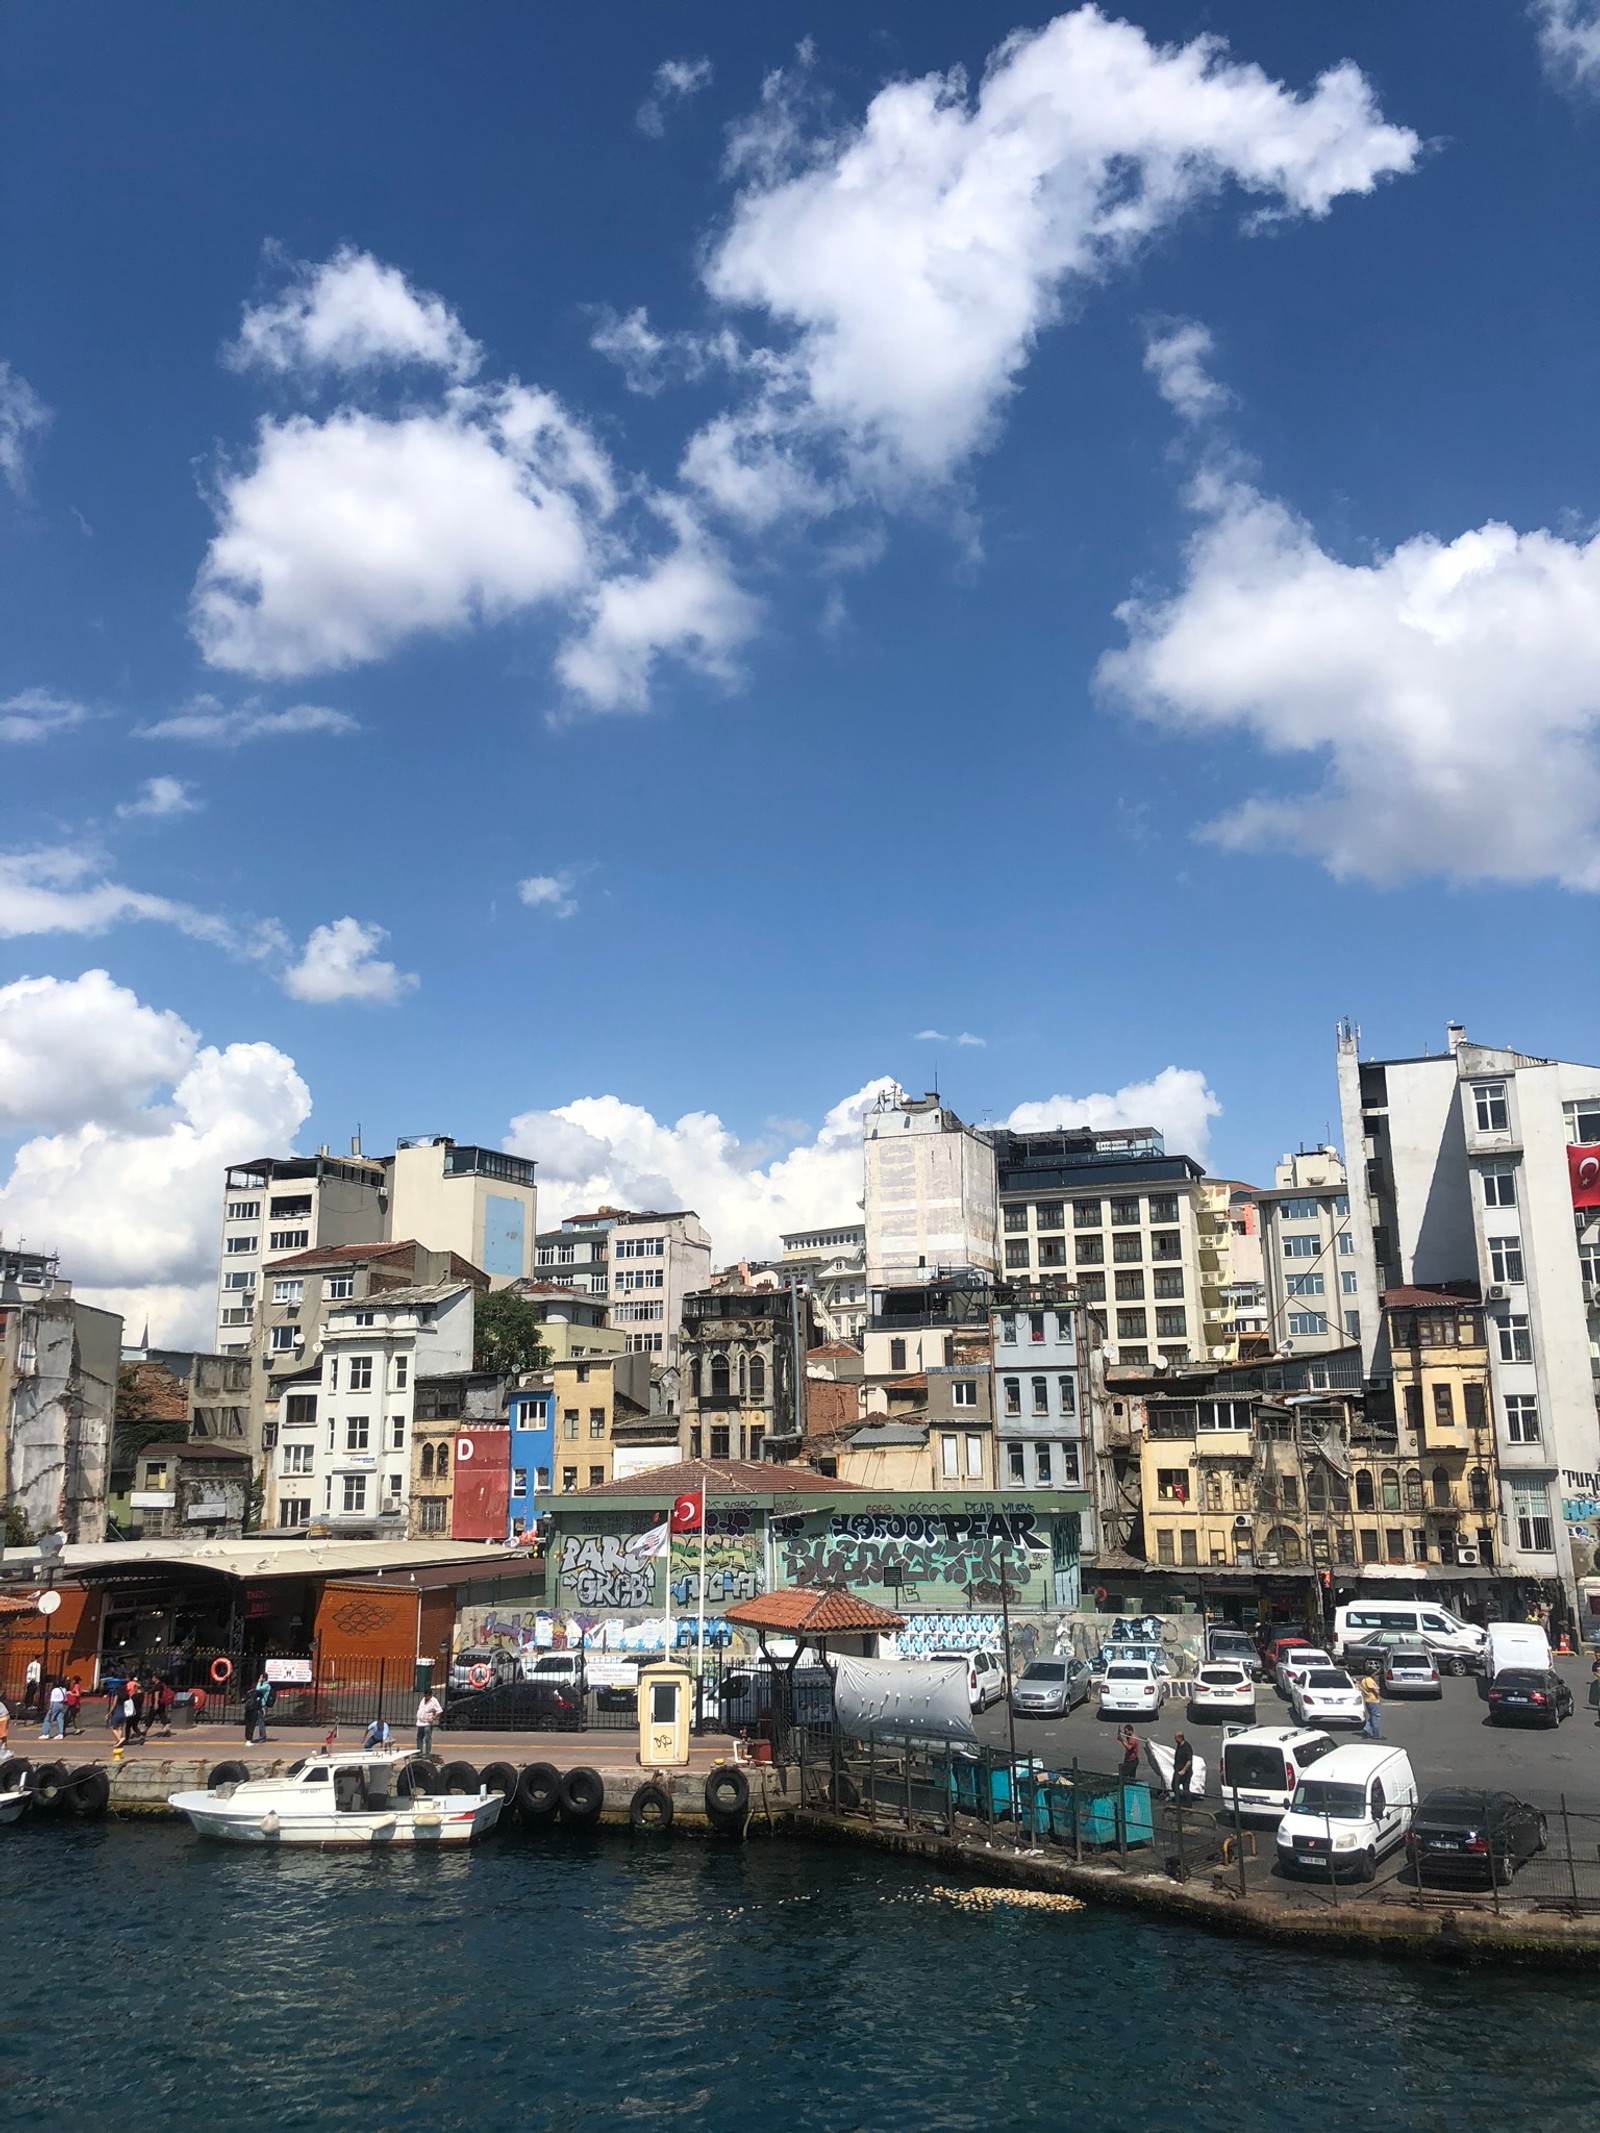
1563, 1649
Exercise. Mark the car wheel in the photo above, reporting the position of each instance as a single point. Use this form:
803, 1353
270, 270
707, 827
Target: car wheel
1368, 1869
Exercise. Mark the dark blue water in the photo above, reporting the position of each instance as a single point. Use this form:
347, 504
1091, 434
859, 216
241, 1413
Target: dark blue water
152, 1982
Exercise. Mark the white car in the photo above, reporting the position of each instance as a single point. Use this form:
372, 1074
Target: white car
1223, 1688
1297, 1662
1132, 1688
1326, 1696
986, 1681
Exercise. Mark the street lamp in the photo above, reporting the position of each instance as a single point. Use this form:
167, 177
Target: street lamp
51, 1546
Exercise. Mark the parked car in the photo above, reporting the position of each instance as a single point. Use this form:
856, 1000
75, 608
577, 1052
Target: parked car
1050, 1688
1326, 1696
1538, 1696
1408, 1670
1461, 1836
1274, 1654
1296, 1663
1132, 1688
515, 1707
1367, 1653
1461, 1644
492, 1664
986, 1681
1262, 1765
566, 1667
1153, 1655
1223, 1641
1351, 1810
1223, 1688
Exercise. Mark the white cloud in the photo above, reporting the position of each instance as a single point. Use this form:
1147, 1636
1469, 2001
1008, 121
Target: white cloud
204, 719
549, 892
32, 714
159, 797
341, 962
58, 890
78, 1048
675, 81
685, 603
127, 1191
1176, 1100
1569, 40
913, 260
352, 313
1176, 356
23, 419
1448, 691
939, 1036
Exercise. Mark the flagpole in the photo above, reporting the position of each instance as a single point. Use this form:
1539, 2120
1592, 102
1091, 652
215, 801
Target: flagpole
700, 1630
666, 1649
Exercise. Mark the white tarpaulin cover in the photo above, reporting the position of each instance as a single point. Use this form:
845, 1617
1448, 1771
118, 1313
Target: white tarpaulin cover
901, 1696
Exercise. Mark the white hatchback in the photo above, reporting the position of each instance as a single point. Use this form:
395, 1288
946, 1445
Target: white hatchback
1223, 1688
1132, 1688
1296, 1664
1325, 1696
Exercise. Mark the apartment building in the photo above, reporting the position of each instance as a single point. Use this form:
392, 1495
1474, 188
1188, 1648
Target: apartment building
277, 1206
930, 1193
573, 1322
643, 1264
741, 1395
1308, 1249
594, 1401
58, 1391
1478, 1167
1040, 1403
832, 1263
925, 1327
479, 1203
947, 1446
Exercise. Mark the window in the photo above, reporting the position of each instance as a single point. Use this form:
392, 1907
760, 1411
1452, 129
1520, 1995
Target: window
1347, 1245
1316, 1491
364, 1318
357, 1432
1444, 1405
1394, 1543
1413, 1489
1042, 1472
1165, 1552
1092, 1287
1189, 1546
1130, 1325
1016, 1462
294, 1510
1389, 1483
1163, 1207
432, 1510
333, 1428
338, 1286
1066, 1395
397, 1433
569, 1421
1306, 1325
1172, 1484
1011, 1393
1035, 1326
719, 1440
300, 1407
282, 1342
1086, 1214
597, 1421
758, 1379
295, 1459
541, 1479
442, 1463
1347, 1283
402, 1370
1477, 1413
1505, 1258
294, 1207
721, 1377
1091, 1251
597, 1477
1352, 1325
1049, 1214
288, 1292
395, 1488
1365, 1499
569, 1481
1289, 1490
360, 1373
974, 1458
1069, 1465
1130, 1288
1016, 1251
1168, 1281
1516, 1343
244, 1210
1125, 1214
1522, 1418
237, 1245
1300, 1210
1133, 1355
1301, 1247
1040, 1388
1532, 1511
950, 1456
1304, 1284
1490, 1107
1008, 1331
1016, 1218
964, 1393
1166, 1244
355, 1492
897, 1359
1127, 1249
1171, 1325
1583, 1120
288, 1240
1499, 1184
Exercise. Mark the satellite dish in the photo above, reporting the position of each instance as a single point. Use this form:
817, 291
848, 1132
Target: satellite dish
48, 1602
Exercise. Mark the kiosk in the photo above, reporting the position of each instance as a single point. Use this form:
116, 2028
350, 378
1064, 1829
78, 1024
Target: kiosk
665, 1692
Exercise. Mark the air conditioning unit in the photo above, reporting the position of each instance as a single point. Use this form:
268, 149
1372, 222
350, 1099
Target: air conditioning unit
1467, 1556
1243, 1523
1496, 1295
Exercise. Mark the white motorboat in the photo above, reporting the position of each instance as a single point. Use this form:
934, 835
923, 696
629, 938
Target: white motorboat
334, 1798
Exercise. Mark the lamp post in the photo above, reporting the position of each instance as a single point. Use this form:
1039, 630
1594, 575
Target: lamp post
50, 1547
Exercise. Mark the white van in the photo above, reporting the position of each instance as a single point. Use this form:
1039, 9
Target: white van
1516, 1644
1348, 1811
1261, 1766
1444, 1634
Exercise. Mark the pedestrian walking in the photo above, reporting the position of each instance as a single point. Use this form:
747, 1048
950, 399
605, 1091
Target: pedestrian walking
161, 1701
113, 1686
32, 1682
1372, 1698
55, 1713
255, 1724
1182, 1767
1130, 1744
127, 1714
429, 1713
74, 1705
1594, 1687
264, 1694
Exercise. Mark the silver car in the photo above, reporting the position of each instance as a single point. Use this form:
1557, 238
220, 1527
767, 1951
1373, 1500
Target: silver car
1049, 1688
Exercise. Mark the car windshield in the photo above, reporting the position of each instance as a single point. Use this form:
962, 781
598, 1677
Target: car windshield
946, 1659
1455, 1810
1309, 1657
1327, 1678
1327, 1796
1046, 1670
1127, 1673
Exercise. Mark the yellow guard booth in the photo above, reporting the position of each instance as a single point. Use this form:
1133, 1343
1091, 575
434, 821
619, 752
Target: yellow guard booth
664, 1705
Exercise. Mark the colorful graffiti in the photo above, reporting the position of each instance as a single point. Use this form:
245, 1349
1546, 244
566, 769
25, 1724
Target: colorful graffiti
732, 1564
985, 1555
611, 1569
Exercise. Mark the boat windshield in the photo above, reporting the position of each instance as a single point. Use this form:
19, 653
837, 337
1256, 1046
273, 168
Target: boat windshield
295, 1769
1327, 1796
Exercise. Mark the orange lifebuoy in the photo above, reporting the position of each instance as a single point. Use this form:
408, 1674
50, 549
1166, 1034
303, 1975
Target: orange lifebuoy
480, 1675
221, 1671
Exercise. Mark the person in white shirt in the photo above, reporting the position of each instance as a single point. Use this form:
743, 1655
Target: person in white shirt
429, 1711
31, 1682
55, 1717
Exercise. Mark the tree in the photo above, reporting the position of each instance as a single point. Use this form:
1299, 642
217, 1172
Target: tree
505, 1333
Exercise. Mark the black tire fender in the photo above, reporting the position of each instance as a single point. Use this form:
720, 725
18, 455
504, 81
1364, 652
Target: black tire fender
583, 1795
650, 1809
50, 1788
89, 1792
16, 1774
226, 1774
727, 1797
458, 1777
539, 1792
421, 1777
501, 1778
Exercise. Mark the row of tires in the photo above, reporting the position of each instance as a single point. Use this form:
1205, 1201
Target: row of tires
58, 1788
539, 1793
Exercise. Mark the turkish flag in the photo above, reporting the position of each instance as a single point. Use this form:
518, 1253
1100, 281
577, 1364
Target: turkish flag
688, 1510
1583, 1169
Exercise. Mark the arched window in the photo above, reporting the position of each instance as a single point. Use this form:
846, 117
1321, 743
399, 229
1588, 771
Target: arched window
1478, 1488
719, 1377
1413, 1488
427, 1462
741, 1375
1339, 1492
694, 1376
758, 1377
1316, 1490
1441, 1488
1284, 1543
444, 1460
1391, 1488
1365, 1500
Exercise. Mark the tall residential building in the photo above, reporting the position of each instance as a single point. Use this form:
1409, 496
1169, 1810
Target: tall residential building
1308, 1251
930, 1193
278, 1205
643, 1264
58, 1394
1041, 1404
741, 1394
832, 1263
480, 1203
1478, 1169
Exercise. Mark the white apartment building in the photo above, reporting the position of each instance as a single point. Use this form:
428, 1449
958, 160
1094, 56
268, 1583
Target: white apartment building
282, 1204
642, 1264
342, 1456
1308, 1250
832, 1263
1039, 1408
1471, 1168
930, 1194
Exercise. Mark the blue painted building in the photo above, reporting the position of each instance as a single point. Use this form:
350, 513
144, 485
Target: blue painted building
532, 1456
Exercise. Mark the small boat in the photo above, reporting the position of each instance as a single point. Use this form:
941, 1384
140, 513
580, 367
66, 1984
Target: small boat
1161, 1762
16, 1787
334, 1798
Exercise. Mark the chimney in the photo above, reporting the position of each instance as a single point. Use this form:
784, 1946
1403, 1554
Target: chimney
1455, 1035
355, 1142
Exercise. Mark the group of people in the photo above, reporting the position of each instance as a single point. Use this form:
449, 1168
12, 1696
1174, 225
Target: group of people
55, 1703
137, 1709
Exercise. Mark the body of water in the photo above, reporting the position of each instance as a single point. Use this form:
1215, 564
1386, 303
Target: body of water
159, 1985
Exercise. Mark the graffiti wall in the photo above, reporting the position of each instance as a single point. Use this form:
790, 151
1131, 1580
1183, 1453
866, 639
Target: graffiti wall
610, 1569
734, 1548
949, 1556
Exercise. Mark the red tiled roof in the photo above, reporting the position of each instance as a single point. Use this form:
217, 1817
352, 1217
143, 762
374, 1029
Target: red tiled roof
718, 1477
1414, 1299
835, 1348
802, 1613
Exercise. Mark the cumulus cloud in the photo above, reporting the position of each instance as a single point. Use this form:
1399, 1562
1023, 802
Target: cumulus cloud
549, 892
341, 962
204, 719
23, 420
1176, 1100
1569, 40
939, 1036
61, 890
911, 261
34, 714
1176, 355
126, 1191
675, 81
159, 797
350, 314
1448, 692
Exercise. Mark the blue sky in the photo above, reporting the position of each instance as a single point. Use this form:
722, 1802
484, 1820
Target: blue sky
699, 465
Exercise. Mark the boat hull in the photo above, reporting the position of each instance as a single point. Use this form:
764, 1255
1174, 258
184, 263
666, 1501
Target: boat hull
445, 1819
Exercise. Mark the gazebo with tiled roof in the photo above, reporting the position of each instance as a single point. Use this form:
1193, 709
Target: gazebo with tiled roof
813, 1615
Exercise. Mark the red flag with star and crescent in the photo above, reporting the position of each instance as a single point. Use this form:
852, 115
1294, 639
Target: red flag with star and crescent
688, 1510
1583, 1168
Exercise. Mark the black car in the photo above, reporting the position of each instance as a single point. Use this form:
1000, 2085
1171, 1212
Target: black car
1472, 1836
516, 1707
1536, 1694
